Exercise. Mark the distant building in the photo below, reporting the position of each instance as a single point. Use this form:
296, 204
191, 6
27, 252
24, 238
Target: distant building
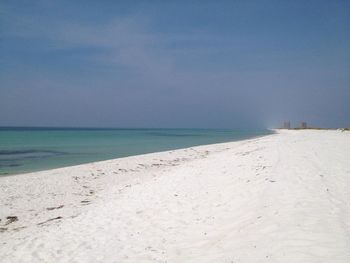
286, 125
303, 125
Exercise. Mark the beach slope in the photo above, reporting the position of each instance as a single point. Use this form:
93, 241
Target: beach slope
279, 198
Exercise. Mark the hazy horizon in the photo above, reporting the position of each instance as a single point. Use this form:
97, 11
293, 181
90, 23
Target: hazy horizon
129, 128
181, 64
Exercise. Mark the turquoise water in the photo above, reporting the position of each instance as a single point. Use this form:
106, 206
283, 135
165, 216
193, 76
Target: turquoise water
33, 149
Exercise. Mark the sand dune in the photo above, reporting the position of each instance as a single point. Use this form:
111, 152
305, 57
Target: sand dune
279, 198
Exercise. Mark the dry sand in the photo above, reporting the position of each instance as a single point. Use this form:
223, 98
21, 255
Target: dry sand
279, 198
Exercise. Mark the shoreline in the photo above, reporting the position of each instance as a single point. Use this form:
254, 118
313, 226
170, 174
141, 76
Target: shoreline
280, 197
100, 172
273, 131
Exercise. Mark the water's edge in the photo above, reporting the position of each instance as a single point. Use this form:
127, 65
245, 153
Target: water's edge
36, 159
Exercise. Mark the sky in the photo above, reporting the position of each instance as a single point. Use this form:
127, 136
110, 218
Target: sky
174, 64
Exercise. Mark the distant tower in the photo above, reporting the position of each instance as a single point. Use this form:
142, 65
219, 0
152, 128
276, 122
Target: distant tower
303, 125
286, 125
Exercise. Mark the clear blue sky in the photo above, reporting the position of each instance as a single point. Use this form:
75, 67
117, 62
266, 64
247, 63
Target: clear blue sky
174, 63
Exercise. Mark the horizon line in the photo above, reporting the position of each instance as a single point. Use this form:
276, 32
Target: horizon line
125, 128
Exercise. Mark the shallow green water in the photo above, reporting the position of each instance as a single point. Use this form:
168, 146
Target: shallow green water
34, 149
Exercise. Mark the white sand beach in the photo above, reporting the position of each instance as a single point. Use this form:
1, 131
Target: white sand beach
279, 198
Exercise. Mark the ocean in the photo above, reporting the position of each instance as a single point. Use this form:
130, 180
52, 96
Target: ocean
25, 150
